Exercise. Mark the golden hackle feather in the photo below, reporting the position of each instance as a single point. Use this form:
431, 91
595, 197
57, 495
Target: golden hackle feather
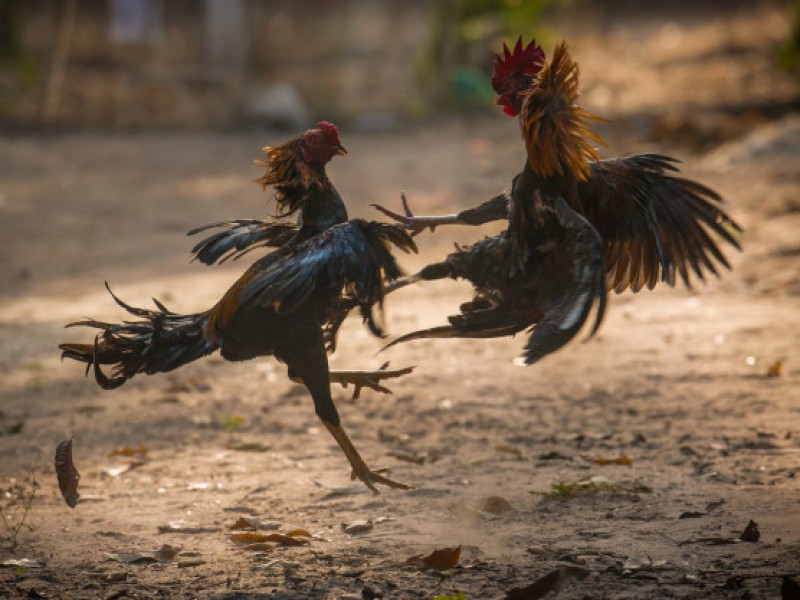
285, 170
555, 127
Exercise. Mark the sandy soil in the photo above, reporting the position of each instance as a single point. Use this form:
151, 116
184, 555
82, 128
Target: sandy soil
676, 381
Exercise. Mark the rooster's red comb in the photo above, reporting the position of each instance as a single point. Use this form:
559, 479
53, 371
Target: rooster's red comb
330, 131
520, 61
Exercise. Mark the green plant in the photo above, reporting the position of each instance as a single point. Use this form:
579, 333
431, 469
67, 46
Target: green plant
572, 489
22, 496
789, 53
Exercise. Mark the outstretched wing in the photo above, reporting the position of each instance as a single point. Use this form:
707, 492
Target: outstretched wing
238, 237
353, 257
654, 224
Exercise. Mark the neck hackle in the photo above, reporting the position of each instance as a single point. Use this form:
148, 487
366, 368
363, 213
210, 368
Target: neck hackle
555, 128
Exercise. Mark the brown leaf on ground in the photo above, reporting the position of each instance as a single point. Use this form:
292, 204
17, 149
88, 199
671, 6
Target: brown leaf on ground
128, 451
299, 532
622, 460
775, 368
166, 553
68, 475
552, 582
751, 532
278, 538
440, 560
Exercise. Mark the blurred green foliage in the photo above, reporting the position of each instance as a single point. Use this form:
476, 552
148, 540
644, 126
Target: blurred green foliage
12, 51
14, 57
789, 53
455, 67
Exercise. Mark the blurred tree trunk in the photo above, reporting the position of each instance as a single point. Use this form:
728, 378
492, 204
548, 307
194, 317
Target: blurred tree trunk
226, 46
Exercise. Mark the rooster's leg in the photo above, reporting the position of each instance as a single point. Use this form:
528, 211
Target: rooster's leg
367, 379
360, 469
417, 224
308, 363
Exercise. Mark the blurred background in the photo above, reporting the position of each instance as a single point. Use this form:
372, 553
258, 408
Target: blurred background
193, 64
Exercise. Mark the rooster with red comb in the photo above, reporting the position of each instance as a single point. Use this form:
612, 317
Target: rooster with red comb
288, 304
577, 225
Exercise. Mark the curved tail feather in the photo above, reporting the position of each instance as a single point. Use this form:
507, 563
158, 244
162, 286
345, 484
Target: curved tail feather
479, 319
160, 341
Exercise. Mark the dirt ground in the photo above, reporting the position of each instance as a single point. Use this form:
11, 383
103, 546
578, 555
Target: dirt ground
675, 385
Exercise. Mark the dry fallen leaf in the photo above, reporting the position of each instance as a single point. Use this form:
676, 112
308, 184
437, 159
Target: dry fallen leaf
443, 559
142, 450
751, 532
440, 560
278, 538
775, 368
166, 553
299, 532
622, 460
68, 475
551, 582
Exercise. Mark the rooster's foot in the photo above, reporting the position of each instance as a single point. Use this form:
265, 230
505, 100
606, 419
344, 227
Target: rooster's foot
369, 478
416, 224
368, 379
360, 469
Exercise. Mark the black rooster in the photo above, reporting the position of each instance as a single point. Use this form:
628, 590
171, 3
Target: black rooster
287, 304
577, 224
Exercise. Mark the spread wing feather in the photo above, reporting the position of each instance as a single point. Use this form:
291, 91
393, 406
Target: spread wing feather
654, 223
238, 237
353, 257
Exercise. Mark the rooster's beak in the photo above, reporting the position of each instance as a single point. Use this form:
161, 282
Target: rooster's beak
340, 150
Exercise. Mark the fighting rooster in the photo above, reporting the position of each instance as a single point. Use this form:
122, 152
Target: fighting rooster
577, 225
285, 305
